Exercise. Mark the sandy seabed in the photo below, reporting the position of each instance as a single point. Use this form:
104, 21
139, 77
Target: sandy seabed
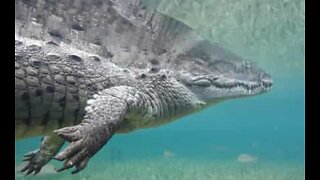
179, 169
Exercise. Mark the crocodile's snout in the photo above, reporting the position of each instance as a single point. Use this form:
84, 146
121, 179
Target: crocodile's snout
266, 81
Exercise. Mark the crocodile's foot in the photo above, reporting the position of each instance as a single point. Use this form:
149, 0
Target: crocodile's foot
84, 143
36, 162
50, 145
103, 114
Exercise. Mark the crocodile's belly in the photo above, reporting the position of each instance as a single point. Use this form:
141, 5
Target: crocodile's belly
39, 110
134, 122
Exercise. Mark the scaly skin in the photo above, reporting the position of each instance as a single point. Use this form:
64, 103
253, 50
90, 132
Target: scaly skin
159, 100
107, 112
52, 86
127, 68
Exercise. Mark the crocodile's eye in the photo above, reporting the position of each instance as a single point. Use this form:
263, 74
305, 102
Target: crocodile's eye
202, 82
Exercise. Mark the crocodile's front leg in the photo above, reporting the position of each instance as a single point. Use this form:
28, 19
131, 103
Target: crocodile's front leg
104, 114
49, 147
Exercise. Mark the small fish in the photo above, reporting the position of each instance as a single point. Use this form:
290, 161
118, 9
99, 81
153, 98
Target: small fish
220, 148
255, 145
168, 154
246, 158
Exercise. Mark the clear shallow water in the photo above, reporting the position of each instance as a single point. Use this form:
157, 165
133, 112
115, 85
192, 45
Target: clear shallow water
269, 128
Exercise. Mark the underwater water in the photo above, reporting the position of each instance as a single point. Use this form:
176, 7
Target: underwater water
253, 138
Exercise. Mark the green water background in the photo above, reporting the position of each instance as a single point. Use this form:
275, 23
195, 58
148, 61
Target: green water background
269, 127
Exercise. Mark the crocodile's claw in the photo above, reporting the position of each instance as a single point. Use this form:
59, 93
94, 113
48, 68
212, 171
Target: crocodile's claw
84, 143
35, 162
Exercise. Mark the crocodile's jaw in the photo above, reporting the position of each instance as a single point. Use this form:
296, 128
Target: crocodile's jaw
224, 88
226, 83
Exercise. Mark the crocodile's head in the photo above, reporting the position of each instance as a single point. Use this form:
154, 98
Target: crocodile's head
214, 74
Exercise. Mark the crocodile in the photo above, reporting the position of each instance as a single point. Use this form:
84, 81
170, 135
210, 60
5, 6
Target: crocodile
86, 70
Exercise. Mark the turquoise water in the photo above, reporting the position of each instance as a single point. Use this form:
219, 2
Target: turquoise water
268, 128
